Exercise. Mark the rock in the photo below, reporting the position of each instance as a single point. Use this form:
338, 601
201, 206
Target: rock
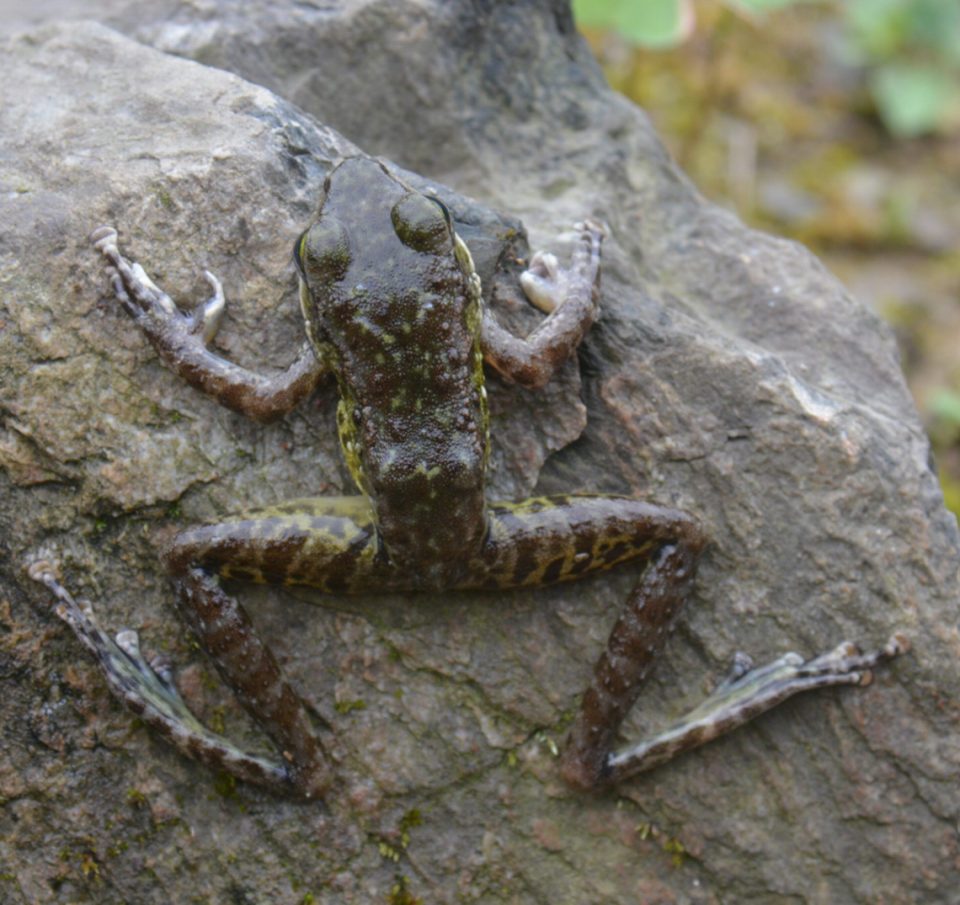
730, 374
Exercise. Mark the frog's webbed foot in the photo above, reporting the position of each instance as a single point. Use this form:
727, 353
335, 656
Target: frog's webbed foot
547, 285
747, 692
149, 305
146, 687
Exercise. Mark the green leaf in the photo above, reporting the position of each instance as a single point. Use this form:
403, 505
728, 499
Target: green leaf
646, 23
599, 13
946, 405
878, 28
760, 6
882, 30
913, 99
936, 24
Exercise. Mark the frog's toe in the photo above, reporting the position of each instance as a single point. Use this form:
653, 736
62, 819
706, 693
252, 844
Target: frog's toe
102, 237
131, 285
149, 663
208, 317
545, 265
592, 226
547, 284
40, 569
847, 660
741, 665
544, 282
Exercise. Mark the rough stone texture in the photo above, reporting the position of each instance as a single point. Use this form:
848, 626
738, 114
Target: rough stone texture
729, 374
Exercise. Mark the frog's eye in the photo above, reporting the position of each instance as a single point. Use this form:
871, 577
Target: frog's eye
322, 253
422, 223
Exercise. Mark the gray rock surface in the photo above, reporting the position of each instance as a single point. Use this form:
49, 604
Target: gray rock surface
729, 374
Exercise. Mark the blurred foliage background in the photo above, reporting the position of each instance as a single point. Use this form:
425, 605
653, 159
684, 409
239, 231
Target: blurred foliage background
836, 123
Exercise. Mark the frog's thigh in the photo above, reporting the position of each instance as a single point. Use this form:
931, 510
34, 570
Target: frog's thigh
553, 539
327, 543
544, 540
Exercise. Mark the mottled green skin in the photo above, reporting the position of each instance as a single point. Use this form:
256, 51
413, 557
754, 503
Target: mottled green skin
393, 306
331, 544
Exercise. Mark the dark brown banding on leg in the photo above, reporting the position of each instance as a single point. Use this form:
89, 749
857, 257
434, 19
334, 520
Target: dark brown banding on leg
247, 665
326, 543
635, 645
538, 542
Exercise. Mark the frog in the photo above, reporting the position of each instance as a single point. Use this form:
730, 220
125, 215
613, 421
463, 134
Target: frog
393, 307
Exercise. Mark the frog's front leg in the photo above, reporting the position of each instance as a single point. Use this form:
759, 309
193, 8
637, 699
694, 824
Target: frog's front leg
561, 538
181, 341
571, 298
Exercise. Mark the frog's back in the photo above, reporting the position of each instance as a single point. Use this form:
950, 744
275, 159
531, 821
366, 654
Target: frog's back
394, 309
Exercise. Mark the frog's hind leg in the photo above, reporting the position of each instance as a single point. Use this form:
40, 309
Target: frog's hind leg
146, 687
744, 694
542, 541
560, 538
326, 543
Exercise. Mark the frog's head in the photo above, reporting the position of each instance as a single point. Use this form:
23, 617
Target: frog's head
380, 268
